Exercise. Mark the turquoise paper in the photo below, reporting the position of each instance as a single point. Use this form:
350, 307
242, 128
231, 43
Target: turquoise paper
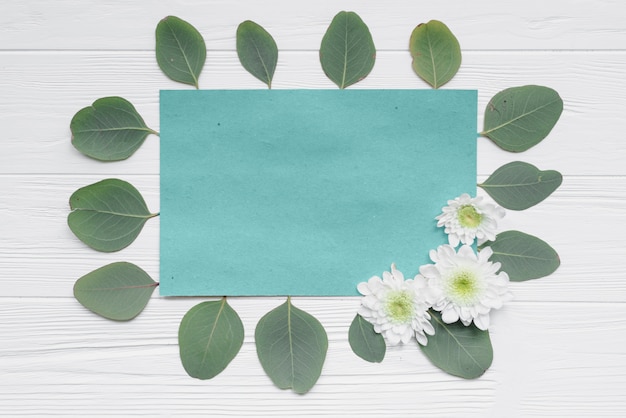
306, 192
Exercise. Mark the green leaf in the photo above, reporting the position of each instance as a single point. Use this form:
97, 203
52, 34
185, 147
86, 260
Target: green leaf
365, 342
436, 53
116, 291
347, 52
523, 257
257, 51
519, 185
291, 345
520, 117
107, 215
210, 336
109, 130
180, 50
458, 350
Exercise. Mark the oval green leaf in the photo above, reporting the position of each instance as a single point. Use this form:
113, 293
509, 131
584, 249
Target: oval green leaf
109, 130
518, 118
458, 350
118, 291
519, 185
523, 256
209, 337
436, 53
108, 215
257, 51
180, 50
365, 342
292, 346
347, 52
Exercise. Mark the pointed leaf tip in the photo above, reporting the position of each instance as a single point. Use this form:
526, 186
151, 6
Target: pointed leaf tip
436, 53
519, 185
518, 118
180, 50
347, 53
257, 51
291, 346
118, 291
365, 342
209, 337
458, 350
109, 130
523, 256
108, 215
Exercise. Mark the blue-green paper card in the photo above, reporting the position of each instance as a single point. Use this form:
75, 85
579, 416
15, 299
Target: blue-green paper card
306, 192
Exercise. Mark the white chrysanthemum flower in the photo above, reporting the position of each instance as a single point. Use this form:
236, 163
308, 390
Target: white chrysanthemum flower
397, 308
465, 285
466, 218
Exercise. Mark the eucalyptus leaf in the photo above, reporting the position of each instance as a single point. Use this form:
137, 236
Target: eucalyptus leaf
518, 118
458, 350
292, 346
118, 291
257, 51
180, 50
365, 342
523, 256
209, 337
519, 185
436, 53
347, 52
108, 215
109, 130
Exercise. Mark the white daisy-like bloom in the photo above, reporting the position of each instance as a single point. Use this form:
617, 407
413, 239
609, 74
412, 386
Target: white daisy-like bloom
466, 218
397, 308
465, 285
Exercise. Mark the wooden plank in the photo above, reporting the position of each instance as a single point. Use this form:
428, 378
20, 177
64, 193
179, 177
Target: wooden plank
39, 255
42, 92
59, 358
124, 25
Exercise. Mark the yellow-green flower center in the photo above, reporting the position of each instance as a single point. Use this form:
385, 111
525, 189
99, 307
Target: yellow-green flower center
468, 216
463, 287
399, 306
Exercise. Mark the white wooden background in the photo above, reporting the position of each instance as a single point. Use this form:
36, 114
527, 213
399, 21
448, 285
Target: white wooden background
559, 347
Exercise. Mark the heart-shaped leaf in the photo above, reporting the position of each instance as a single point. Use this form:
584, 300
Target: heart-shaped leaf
520, 117
365, 342
209, 337
459, 350
257, 51
523, 257
292, 346
519, 185
109, 130
108, 215
118, 291
436, 53
347, 52
180, 50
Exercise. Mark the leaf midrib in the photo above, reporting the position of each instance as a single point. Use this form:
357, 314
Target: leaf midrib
495, 128
522, 256
293, 368
195, 80
517, 184
213, 328
443, 325
126, 215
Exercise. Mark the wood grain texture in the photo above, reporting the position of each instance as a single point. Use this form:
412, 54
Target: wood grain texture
558, 346
487, 24
133, 368
43, 91
41, 257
